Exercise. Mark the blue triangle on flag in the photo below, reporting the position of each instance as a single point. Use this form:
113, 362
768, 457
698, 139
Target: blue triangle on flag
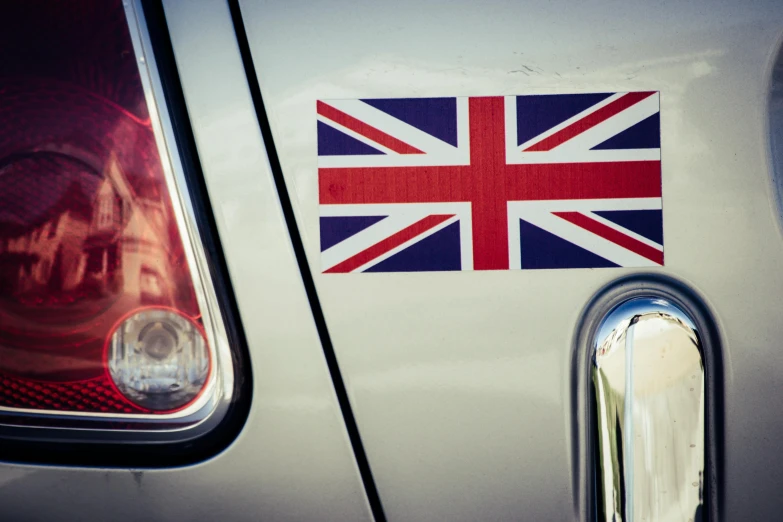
435, 253
647, 223
332, 142
336, 229
644, 135
541, 249
435, 116
540, 112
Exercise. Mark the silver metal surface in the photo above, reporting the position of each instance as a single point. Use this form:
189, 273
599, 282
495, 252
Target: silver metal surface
648, 378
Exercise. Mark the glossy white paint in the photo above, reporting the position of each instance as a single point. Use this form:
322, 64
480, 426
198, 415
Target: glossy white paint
459, 381
293, 460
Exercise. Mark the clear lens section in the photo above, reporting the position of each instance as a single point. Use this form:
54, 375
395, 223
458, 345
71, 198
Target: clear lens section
158, 359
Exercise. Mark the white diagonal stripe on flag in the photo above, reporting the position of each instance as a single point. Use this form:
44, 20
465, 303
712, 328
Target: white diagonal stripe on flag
568, 122
612, 126
392, 126
400, 216
585, 239
423, 235
355, 135
631, 233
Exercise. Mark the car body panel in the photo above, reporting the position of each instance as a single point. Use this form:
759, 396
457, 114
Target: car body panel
460, 381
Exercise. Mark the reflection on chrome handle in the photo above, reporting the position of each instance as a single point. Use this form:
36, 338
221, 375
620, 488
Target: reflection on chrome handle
648, 377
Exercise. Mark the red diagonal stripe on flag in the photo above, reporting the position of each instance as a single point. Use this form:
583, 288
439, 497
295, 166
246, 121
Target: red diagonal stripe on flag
388, 244
610, 234
589, 121
368, 131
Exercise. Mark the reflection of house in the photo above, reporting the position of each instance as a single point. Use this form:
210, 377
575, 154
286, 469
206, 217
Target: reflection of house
47, 258
92, 245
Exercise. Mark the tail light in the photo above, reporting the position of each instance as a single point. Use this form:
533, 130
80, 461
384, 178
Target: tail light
107, 315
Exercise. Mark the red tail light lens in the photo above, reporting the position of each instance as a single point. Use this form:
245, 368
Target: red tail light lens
102, 310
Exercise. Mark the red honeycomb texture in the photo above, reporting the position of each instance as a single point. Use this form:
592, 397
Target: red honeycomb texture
93, 395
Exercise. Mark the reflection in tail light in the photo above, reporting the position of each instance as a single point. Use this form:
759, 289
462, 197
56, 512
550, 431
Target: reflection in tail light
102, 309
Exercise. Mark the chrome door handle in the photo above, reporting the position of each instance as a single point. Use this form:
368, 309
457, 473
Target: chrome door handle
648, 379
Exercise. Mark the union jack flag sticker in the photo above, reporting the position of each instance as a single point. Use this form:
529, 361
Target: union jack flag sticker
490, 183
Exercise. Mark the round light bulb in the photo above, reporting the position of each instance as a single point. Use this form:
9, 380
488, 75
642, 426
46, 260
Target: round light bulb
158, 359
